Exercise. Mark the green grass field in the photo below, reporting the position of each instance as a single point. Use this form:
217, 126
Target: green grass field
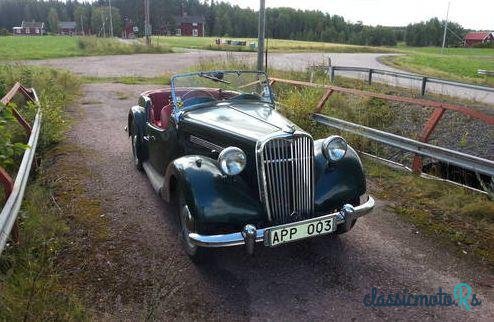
460, 64
24, 48
278, 45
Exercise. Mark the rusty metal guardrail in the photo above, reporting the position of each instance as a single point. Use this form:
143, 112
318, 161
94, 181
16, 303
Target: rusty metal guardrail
423, 79
419, 148
465, 161
14, 190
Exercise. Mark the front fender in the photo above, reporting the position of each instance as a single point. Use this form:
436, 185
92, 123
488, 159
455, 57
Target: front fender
216, 201
337, 183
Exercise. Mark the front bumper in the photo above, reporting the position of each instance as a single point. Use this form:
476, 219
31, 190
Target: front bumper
250, 235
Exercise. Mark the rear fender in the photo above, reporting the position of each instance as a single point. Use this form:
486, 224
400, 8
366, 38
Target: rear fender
137, 122
137, 115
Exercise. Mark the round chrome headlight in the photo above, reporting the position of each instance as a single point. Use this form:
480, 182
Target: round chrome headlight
232, 161
334, 148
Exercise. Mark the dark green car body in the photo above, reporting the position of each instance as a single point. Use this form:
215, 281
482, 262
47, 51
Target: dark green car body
179, 152
182, 152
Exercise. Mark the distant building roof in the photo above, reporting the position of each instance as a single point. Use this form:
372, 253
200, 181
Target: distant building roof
190, 19
477, 35
32, 24
66, 25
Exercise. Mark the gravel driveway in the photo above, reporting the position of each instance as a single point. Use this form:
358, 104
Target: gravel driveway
321, 279
149, 65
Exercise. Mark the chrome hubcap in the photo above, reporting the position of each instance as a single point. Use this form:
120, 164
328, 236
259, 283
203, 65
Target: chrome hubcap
185, 216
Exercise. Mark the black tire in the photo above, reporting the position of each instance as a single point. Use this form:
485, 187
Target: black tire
136, 143
195, 253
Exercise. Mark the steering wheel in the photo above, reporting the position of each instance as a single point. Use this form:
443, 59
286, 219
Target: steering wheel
201, 99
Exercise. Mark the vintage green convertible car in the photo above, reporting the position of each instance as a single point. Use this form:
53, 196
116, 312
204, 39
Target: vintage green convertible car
238, 171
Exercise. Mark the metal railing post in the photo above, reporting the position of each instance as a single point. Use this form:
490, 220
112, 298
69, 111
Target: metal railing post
369, 79
424, 84
331, 74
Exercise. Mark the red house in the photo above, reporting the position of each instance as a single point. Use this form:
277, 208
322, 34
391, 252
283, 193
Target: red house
190, 26
30, 28
474, 38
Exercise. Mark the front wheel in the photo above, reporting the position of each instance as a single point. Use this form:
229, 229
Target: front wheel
195, 253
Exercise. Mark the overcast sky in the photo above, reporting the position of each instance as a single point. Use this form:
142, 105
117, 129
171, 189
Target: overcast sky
474, 14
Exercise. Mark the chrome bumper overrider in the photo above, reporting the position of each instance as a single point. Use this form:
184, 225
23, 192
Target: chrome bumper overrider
250, 235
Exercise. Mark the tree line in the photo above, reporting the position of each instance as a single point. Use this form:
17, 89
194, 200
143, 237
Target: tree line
224, 20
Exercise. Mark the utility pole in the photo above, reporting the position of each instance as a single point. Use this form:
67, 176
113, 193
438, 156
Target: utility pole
103, 22
111, 20
445, 29
261, 34
82, 26
147, 25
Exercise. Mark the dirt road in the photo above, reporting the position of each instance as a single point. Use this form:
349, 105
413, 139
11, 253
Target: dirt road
141, 272
149, 65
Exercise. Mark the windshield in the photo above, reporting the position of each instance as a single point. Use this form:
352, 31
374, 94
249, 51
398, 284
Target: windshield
202, 87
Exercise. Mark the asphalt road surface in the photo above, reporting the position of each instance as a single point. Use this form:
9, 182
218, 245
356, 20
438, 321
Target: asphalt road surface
149, 65
142, 272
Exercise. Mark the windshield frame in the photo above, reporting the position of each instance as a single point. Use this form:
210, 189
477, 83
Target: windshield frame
198, 74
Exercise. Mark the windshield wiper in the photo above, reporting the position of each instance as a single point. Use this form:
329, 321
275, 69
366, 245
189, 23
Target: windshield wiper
214, 79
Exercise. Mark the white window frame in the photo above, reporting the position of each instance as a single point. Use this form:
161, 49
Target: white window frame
178, 32
28, 31
195, 32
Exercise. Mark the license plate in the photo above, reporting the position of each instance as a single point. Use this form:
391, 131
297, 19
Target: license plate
295, 231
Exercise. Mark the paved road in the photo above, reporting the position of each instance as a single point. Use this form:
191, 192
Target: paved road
149, 65
140, 271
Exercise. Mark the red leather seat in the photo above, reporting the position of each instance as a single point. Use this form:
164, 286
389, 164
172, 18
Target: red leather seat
166, 113
159, 99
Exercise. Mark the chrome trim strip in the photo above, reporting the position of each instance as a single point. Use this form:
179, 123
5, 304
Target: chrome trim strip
236, 239
205, 144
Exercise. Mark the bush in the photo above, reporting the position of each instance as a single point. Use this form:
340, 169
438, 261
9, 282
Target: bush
55, 90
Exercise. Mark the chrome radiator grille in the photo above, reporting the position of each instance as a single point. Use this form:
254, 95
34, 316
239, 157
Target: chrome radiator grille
286, 178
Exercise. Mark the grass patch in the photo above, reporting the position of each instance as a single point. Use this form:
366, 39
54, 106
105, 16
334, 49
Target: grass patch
457, 216
458, 64
32, 281
276, 45
24, 48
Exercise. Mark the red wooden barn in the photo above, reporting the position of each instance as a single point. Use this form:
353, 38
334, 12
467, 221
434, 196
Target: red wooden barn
190, 26
474, 38
30, 28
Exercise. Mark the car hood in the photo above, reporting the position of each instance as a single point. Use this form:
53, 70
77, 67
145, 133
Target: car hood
252, 120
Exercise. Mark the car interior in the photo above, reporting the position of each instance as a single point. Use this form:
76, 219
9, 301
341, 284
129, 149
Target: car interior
162, 103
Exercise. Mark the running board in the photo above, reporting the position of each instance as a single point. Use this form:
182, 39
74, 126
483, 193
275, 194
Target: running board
154, 177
